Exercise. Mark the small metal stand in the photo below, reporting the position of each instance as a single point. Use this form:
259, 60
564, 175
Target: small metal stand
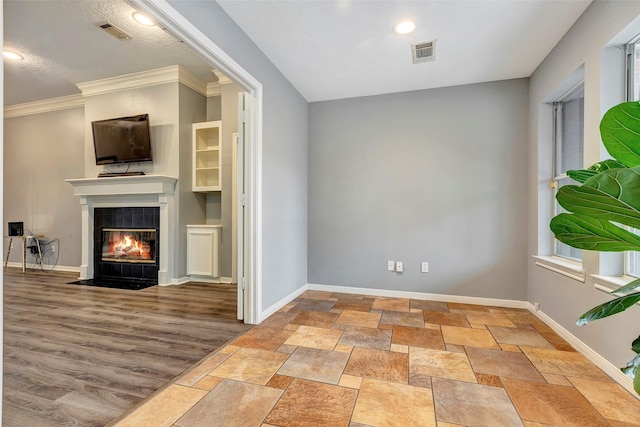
24, 250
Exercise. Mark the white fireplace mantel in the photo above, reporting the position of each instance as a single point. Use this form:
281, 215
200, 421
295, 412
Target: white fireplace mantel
123, 185
128, 191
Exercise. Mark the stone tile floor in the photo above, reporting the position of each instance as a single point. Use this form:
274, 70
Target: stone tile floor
333, 359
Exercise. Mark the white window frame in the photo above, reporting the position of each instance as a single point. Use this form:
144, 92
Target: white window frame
632, 94
631, 59
558, 175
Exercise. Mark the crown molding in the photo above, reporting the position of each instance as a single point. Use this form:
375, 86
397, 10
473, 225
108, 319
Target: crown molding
215, 88
43, 106
171, 74
223, 79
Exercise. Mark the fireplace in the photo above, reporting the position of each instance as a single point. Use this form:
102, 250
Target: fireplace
129, 245
126, 246
152, 193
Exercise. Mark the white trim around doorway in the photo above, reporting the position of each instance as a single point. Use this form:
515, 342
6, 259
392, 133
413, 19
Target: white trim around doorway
172, 21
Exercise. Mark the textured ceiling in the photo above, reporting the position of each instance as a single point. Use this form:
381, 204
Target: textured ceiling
331, 49
63, 46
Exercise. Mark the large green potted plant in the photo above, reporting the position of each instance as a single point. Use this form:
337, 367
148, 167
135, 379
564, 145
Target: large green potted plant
603, 208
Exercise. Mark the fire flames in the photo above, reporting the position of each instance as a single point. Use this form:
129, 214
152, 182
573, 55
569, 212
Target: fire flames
128, 247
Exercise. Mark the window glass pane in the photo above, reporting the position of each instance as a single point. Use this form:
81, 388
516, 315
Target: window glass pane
572, 133
636, 72
633, 264
632, 259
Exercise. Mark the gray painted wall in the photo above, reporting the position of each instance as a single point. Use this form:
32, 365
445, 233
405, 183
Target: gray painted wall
213, 199
229, 127
191, 206
435, 175
284, 153
562, 298
40, 152
214, 108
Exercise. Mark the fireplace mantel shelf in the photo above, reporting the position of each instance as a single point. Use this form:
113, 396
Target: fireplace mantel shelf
121, 185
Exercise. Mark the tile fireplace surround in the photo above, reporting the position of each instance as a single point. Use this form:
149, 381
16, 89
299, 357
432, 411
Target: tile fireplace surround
128, 191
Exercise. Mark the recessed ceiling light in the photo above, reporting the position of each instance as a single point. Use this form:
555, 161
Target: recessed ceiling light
12, 55
404, 27
142, 19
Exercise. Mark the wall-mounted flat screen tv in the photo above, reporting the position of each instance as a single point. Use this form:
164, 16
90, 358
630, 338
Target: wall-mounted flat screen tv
122, 140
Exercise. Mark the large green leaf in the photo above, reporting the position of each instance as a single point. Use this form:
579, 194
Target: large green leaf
620, 131
621, 183
636, 381
582, 175
629, 287
635, 345
593, 234
609, 308
612, 195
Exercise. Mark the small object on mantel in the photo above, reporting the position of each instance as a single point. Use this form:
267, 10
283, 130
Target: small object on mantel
112, 174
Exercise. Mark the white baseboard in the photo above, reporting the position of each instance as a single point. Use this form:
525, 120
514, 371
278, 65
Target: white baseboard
284, 301
203, 279
207, 279
420, 295
602, 363
178, 281
32, 266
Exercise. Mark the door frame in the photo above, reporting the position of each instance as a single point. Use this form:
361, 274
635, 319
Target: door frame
176, 24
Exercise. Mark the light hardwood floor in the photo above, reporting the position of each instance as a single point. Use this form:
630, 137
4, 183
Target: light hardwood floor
79, 355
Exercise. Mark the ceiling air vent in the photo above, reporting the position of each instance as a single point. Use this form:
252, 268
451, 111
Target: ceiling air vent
113, 30
424, 52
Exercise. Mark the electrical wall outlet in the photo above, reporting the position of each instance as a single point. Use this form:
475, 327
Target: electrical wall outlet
399, 267
424, 267
391, 265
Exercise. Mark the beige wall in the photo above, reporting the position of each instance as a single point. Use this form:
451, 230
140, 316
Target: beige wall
40, 152
161, 103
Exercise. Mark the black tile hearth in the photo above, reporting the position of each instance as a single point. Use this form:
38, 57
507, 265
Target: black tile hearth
116, 283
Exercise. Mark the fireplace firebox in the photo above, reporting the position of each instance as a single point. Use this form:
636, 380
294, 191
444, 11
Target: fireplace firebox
129, 245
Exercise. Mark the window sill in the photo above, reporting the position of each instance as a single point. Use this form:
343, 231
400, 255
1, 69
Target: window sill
609, 284
562, 266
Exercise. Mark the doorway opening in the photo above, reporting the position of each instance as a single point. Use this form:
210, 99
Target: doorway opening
249, 254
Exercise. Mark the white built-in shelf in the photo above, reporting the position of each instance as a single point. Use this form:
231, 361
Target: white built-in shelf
206, 156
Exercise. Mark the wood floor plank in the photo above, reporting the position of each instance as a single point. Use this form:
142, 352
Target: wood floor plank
81, 355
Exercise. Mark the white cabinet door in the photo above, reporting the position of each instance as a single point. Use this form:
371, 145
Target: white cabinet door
202, 251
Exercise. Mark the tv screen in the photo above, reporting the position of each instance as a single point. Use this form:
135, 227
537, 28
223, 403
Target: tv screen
122, 140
